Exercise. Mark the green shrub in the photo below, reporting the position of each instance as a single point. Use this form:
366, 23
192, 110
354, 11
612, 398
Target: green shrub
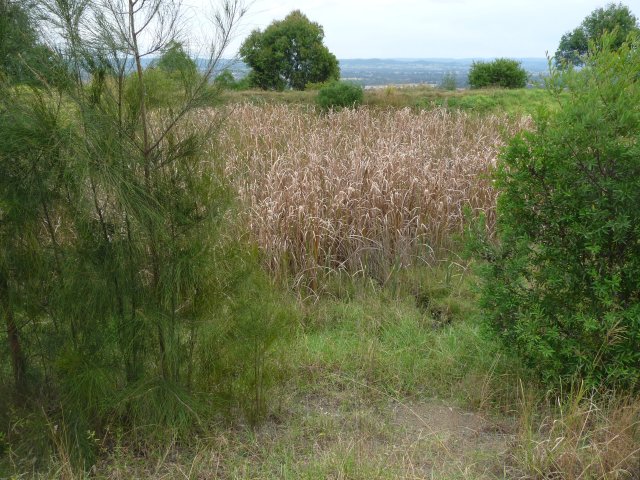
225, 80
502, 72
563, 286
449, 81
339, 95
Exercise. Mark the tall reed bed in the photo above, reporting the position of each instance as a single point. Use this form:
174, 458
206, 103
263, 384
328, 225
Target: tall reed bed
361, 191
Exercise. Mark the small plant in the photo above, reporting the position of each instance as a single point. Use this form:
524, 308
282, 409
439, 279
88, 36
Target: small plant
340, 95
225, 80
502, 72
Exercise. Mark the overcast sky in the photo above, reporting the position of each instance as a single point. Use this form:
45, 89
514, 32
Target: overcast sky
430, 28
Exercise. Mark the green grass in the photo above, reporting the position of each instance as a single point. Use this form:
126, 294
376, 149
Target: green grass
482, 101
510, 101
378, 383
371, 385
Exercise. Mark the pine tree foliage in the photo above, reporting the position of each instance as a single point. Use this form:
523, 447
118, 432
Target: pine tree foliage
114, 268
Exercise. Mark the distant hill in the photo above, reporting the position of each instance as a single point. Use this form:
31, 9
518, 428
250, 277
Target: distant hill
401, 71
374, 72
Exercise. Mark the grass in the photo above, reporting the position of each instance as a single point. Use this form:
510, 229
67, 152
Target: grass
375, 385
515, 102
362, 394
362, 190
388, 373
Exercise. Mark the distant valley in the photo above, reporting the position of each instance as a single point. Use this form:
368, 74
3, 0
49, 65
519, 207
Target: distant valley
379, 72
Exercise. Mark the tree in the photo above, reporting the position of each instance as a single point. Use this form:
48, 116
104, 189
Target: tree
289, 54
615, 18
22, 57
175, 60
114, 271
562, 286
502, 72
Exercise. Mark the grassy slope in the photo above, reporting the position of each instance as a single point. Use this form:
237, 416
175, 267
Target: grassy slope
395, 381
517, 102
378, 382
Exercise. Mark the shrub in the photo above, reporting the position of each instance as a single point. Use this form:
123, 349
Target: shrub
289, 53
449, 81
563, 286
339, 95
225, 80
502, 72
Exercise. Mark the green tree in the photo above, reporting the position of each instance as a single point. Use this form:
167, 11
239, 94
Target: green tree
501, 72
116, 276
615, 18
23, 59
174, 60
289, 54
562, 287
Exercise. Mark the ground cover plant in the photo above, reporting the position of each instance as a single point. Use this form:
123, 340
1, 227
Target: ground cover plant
501, 72
339, 95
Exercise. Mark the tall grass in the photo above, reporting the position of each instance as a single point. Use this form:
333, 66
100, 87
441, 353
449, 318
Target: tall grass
362, 191
583, 436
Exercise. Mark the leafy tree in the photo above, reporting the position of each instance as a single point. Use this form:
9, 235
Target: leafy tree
289, 54
501, 72
562, 287
225, 79
174, 60
615, 18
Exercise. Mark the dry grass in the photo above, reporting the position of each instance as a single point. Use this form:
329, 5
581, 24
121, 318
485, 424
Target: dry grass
359, 190
582, 438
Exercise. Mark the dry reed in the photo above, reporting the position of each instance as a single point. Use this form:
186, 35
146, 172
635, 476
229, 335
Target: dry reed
359, 190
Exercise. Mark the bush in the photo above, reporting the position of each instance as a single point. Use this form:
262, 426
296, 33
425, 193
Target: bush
449, 81
563, 286
339, 95
502, 72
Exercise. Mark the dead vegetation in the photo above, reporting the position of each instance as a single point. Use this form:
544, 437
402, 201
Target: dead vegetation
361, 191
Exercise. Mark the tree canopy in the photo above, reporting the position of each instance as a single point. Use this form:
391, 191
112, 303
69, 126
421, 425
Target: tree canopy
21, 54
614, 18
175, 60
289, 54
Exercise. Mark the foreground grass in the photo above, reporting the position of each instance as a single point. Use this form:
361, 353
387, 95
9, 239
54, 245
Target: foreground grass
390, 381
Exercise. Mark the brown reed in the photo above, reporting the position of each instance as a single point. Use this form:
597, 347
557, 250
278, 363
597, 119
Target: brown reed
361, 191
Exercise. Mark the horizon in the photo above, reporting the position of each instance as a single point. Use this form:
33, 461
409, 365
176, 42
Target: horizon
420, 29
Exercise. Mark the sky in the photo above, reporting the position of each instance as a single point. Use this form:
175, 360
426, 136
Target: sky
427, 28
